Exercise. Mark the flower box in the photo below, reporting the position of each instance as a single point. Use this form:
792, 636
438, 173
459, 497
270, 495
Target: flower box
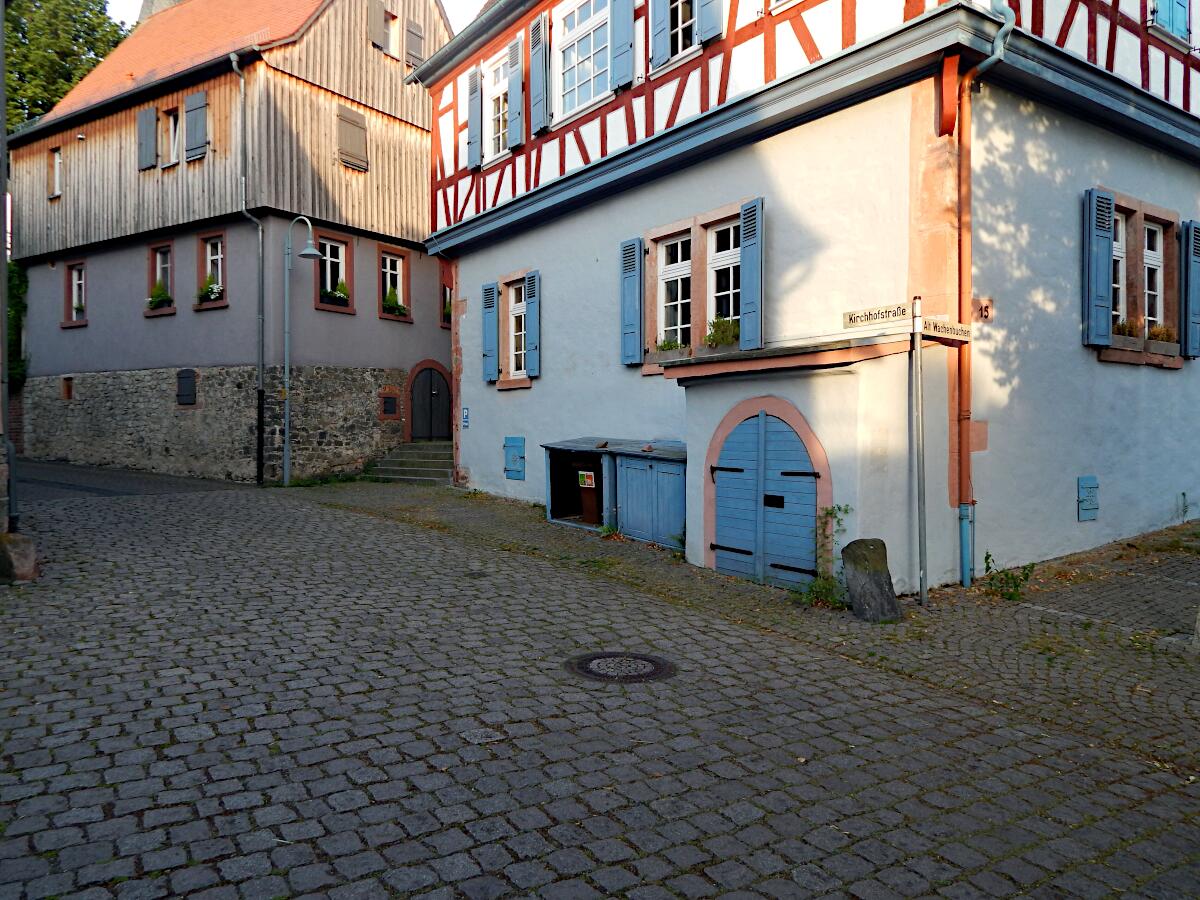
658, 357
1162, 348
1124, 342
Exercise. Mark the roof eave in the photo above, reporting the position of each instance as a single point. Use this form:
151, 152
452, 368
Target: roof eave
468, 40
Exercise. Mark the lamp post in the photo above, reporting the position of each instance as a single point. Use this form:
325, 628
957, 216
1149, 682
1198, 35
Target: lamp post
309, 252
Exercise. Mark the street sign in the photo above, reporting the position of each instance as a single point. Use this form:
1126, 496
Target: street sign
948, 332
877, 315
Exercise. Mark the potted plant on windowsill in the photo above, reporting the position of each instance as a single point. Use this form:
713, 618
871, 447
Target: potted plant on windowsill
669, 350
1161, 339
339, 296
1125, 337
392, 305
210, 291
79, 310
160, 298
447, 312
723, 336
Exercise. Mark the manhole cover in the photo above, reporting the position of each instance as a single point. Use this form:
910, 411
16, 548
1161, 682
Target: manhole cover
620, 668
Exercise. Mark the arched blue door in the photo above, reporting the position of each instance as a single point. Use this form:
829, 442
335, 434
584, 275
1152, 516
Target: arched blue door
766, 504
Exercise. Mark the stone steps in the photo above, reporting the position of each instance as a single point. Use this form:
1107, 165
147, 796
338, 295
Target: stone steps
424, 463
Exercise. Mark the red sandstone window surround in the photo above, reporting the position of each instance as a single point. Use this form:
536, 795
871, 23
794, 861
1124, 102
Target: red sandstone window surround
212, 259
160, 276
395, 302
334, 274
74, 295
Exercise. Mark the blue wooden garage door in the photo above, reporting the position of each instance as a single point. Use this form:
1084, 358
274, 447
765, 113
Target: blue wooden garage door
766, 504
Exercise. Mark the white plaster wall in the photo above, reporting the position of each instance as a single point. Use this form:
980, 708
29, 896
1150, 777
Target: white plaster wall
831, 189
1054, 411
862, 416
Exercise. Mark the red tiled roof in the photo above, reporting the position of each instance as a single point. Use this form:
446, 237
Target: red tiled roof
181, 37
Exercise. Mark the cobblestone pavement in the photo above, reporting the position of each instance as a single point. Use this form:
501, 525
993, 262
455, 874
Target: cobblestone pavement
38, 480
254, 694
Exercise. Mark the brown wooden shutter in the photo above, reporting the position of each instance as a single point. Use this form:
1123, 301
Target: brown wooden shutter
377, 26
414, 43
352, 138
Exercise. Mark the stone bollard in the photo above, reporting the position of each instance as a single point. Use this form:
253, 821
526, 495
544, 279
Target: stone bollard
872, 596
18, 558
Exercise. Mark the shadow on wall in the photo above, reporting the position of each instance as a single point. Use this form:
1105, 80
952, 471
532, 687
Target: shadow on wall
1055, 411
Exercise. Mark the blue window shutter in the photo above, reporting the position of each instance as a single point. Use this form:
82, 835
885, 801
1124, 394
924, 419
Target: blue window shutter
474, 120
195, 123
514, 458
1173, 16
516, 97
147, 138
1100, 208
631, 302
491, 332
539, 73
660, 37
533, 324
1087, 498
1189, 332
750, 328
620, 73
712, 15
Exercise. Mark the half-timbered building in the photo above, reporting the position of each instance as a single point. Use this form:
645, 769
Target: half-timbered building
692, 241
152, 209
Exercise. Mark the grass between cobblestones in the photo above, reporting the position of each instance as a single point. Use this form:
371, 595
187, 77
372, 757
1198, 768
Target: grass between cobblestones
1080, 653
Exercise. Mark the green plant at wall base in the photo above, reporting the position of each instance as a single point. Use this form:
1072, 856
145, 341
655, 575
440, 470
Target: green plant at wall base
722, 332
826, 588
670, 344
159, 297
1008, 584
607, 531
1164, 333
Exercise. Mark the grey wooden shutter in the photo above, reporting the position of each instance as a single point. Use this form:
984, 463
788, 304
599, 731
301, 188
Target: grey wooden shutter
620, 74
1100, 209
533, 324
414, 43
377, 25
516, 98
474, 120
750, 331
147, 138
195, 111
631, 302
539, 74
352, 138
1189, 298
712, 20
660, 35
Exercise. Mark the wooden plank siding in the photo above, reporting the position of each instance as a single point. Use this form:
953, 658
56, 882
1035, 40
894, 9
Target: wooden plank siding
294, 162
336, 52
104, 195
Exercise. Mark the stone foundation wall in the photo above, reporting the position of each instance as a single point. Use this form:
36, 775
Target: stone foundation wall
132, 420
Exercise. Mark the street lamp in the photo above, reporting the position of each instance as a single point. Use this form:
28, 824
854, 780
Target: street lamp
309, 252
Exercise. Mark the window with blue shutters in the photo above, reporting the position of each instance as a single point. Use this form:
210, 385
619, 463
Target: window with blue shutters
631, 301
1189, 318
514, 458
1099, 214
498, 102
1172, 15
491, 332
750, 325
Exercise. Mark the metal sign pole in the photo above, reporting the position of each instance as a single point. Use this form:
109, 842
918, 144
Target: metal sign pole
919, 440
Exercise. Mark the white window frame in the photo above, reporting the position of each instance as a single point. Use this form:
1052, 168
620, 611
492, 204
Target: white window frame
726, 259
391, 266
518, 326
395, 35
56, 172
162, 267
1120, 283
668, 272
674, 29
559, 44
495, 90
1153, 261
214, 263
78, 275
328, 264
174, 133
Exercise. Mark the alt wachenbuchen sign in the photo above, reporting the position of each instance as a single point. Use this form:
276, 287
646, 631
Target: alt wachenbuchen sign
902, 313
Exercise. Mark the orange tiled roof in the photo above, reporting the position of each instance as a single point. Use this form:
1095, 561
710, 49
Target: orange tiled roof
181, 37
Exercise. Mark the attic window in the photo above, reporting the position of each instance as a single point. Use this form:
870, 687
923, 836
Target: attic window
54, 173
352, 139
414, 43
392, 24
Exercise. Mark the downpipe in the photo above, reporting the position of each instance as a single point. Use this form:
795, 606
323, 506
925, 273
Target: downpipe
260, 379
968, 85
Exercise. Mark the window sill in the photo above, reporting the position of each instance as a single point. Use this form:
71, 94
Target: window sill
161, 311
215, 304
392, 317
499, 157
1142, 357
75, 323
1165, 34
445, 325
54, 197
169, 165
676, 61
514, 384
347, 310
592, 105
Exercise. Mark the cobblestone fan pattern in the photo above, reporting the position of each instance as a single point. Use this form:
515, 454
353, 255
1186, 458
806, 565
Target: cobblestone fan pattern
246, 694
132, 419
1110, 676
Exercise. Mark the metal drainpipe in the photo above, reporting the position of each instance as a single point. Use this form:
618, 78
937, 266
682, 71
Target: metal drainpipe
261, 416
9, 450
966, 519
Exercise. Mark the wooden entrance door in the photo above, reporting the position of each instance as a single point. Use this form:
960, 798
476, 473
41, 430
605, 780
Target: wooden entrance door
430, 406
